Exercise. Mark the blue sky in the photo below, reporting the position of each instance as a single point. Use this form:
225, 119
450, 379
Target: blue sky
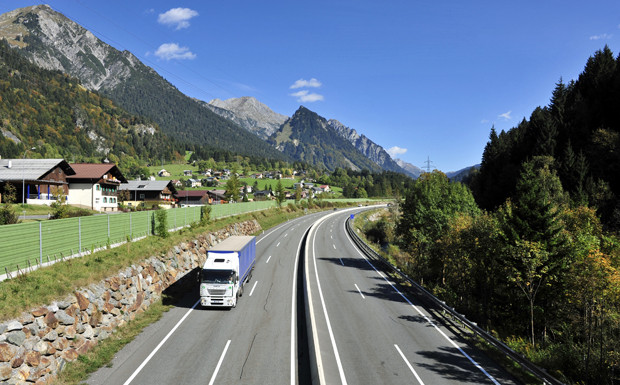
423, 78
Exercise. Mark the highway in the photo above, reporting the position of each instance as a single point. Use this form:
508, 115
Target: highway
362, 331
368, 332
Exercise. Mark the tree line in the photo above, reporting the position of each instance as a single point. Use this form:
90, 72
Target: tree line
531, 252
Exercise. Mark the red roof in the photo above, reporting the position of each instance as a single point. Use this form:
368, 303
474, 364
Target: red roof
95, 171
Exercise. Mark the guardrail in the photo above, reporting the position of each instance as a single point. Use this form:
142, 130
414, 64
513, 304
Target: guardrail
538, 372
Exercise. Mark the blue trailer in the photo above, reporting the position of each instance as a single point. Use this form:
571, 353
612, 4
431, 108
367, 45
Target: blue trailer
228, 267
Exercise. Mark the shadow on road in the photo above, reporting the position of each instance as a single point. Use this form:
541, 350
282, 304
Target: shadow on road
450, 364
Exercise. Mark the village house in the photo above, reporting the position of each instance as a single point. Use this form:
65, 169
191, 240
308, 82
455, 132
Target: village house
158, 192
163, 173
95, 186
186, 198
36, 181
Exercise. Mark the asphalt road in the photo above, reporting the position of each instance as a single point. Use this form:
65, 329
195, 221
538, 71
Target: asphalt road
361, 329
254, 343
368, 332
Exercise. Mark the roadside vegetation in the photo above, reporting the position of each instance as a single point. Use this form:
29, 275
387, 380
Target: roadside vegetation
539, 273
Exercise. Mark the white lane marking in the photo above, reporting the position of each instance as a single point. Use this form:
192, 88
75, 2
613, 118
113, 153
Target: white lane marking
343, 379
143, 364
334, 246
358, 289
268, 259
342, 263
253, 287
476, 364
285, 235
409, 365
332, 237
219, 363
278, 244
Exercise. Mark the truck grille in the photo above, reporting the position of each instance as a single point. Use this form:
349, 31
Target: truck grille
217, 291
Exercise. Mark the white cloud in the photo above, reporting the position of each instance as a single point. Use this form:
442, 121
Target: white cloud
506, 115
168, 51
604, 36
306, 83
305, 96
178, 17
484, 121
395, 151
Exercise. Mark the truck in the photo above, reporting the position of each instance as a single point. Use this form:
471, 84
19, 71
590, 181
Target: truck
228, 267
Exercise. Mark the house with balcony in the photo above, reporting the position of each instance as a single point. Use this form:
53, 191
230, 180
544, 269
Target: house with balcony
149, 193
95, 186
36, 181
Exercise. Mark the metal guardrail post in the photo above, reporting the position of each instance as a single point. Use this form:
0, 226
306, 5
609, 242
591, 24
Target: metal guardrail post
538, 372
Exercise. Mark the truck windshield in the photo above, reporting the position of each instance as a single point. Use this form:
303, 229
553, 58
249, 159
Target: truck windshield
217, 276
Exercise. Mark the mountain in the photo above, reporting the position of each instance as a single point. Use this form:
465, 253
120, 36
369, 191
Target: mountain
249, 113
309, 138
52, 41
370, 149
409, 168
462, 174
57, 116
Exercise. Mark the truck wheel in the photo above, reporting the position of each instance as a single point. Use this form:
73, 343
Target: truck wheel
240, 292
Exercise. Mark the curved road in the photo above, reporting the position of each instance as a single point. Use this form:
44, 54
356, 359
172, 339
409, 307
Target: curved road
362, 330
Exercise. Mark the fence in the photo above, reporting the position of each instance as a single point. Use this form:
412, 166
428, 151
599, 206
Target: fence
24, 245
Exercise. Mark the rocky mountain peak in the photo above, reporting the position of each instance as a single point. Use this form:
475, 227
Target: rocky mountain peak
70, 48
249, 113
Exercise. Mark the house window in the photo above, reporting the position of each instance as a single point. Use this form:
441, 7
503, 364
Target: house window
97, 200
141, 196
97, 187
105, 200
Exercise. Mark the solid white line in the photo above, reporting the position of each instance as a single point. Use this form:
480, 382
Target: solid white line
343, 379
476, 364
358, 289
135, 373
409, 365
253, 287
268, 259
219, 363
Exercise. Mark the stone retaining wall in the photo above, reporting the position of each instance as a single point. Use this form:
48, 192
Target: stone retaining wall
36, 346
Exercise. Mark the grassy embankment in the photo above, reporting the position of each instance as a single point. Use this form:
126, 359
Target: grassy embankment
43, 286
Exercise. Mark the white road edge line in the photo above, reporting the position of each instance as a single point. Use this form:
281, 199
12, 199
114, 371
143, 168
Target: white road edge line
253, 287
358, 289
143, 364
343, 379
476, 364
219, 363
268, 259
409, 365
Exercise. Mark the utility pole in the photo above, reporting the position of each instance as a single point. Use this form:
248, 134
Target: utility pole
428, 164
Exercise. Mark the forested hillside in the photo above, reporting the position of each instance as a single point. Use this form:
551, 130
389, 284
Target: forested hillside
579, 129
54, 113
535, 257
